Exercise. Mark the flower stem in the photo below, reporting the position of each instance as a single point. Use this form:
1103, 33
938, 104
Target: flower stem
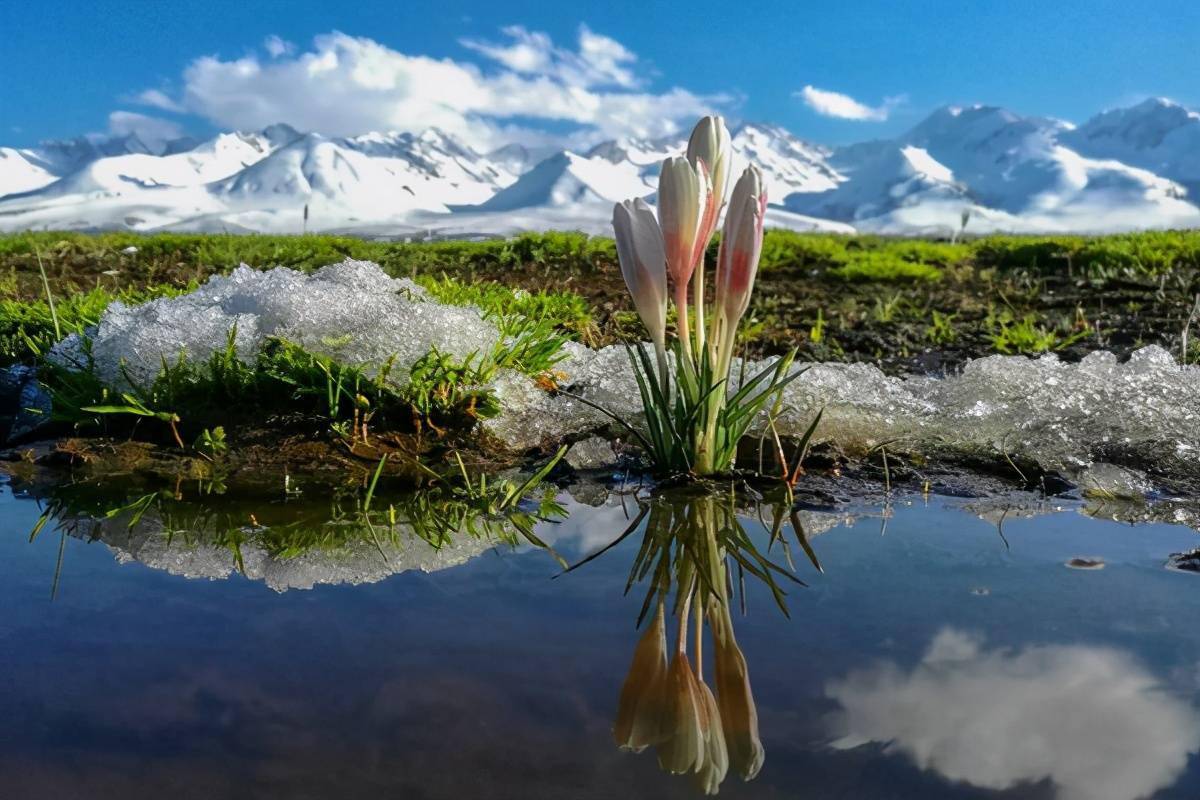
683, 323
698, 305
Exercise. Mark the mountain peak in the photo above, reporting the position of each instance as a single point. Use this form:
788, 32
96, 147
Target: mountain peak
1156, 103
280, 134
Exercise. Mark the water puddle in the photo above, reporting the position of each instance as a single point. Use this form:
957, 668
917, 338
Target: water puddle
347, 644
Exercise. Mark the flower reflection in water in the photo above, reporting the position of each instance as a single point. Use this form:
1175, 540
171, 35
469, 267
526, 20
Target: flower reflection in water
692, 551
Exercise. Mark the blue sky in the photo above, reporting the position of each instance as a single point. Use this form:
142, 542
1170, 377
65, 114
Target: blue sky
629, 67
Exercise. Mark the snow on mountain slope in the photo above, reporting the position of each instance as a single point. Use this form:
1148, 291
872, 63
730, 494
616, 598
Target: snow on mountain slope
1125, 169
218, 158
892, 187
364, 180
1011, 171
1095, 195
437, 157
28, 169
19, 172
567, 179
263, 181
1157, 135
134, 189
788, 164
1021, 166
577, 192
67, 155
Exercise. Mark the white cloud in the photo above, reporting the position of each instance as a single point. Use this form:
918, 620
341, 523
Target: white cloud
153, 131
599, 61
843, 106
276, 46
1090, 719
347, 85
156, 99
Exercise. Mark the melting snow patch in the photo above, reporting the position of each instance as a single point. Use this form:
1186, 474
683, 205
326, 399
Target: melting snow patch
352, 312
1143, 413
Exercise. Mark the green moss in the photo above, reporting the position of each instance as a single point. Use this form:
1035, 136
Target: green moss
884, 267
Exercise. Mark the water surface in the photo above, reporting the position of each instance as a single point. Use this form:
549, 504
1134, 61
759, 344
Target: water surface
933, 658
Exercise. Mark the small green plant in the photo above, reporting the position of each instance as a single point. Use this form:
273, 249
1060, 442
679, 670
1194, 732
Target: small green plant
527, 344
441, 385
211, 443
133, 405
49, 295
885, 310
941, 328
1027, 336
817, 332
884, 267
670, 438
565, 311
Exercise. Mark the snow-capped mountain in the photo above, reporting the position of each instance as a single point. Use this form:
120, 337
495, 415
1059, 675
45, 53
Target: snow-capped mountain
886, 182
27, 169
1012, 172
567, 179
367, 179
21, 171
577, 190
1157, 135
1128, 168
789, 164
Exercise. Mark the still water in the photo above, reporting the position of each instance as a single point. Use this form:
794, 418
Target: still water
936, 656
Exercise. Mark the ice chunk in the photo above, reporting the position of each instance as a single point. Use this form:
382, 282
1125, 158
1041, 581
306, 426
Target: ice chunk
862, 406
1065, 416
352, 312
531, 417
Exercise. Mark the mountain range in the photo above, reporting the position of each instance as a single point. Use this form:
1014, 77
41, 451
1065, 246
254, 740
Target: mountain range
1123, 169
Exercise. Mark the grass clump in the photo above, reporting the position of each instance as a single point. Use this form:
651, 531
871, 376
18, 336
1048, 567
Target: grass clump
441, 393
879, 267
29, 328
1027, 335
566, 310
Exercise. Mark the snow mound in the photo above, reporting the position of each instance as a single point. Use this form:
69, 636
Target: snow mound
1143, 413
352, 312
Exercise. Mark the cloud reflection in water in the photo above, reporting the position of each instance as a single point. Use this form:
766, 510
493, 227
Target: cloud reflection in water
1092, 720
